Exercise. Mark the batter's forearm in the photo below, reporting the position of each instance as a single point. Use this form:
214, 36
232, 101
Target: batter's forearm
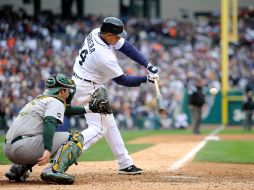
130, 81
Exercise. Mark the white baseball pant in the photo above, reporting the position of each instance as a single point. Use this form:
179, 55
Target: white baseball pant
100, 125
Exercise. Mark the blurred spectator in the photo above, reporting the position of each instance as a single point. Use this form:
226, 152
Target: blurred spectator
166, 122
32, 49
181, 121
248, 107
250, 84
3, 121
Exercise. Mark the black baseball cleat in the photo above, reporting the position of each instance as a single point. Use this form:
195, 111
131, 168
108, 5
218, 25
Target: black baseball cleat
131, 170
18, 173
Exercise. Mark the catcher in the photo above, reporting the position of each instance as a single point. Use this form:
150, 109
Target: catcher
31, 139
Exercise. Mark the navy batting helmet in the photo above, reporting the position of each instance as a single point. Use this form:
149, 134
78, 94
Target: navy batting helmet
113, 25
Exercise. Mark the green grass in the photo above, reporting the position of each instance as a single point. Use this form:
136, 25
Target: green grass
133, 134
236, 130
227, 152
130, 134
2, 137
3, 159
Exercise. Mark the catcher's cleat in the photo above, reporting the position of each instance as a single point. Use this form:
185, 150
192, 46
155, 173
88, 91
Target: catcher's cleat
131, 170
18, 173
59, 178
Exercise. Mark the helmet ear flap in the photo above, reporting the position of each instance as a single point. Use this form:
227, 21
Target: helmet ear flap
50, 82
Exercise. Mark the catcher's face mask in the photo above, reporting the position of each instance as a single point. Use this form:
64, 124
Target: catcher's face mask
70, 96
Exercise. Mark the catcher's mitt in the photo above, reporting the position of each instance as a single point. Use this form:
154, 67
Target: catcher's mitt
99, 102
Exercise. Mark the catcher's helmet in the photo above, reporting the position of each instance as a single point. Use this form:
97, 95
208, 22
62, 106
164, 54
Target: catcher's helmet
113, 25
56, 82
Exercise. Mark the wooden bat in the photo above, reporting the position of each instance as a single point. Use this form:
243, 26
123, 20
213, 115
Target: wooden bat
160, 103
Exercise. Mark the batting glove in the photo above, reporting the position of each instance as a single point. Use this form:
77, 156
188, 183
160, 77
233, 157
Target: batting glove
152, 77
152, 68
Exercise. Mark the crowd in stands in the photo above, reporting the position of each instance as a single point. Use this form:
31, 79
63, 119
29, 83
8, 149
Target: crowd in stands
33, 48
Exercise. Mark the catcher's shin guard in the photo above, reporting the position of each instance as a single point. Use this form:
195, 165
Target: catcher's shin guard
19, 173
64, 158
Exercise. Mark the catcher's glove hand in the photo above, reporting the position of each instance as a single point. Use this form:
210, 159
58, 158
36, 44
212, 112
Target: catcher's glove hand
99, 102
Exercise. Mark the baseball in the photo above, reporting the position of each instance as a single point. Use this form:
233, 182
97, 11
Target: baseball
213, 91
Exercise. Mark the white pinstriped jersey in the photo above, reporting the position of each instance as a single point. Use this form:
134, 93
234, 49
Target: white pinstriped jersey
96, 61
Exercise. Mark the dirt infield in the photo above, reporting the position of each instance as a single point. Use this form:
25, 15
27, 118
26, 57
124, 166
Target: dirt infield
155, 161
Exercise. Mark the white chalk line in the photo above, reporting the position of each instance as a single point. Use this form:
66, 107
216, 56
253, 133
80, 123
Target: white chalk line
195, 150
181, 177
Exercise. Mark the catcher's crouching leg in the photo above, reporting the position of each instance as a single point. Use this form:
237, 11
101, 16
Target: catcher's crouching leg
64, 158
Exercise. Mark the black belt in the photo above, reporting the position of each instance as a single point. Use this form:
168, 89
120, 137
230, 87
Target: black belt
15, 139
75, 75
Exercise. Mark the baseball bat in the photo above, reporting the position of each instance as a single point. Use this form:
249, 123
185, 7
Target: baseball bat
160, 102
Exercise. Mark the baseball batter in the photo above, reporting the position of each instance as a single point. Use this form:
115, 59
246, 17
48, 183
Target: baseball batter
95, 64
31, 139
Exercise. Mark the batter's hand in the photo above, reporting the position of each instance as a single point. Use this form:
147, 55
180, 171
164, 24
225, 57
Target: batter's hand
152, 77
44, 159
151, 68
